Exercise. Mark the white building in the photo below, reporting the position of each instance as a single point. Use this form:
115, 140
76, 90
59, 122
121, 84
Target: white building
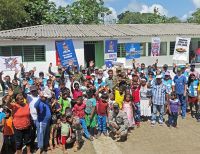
36, 44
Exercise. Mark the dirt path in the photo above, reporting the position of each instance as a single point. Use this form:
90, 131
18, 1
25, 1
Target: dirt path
150, 140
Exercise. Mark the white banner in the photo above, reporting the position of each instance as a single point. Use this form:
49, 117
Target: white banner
181, 50
10, 63
155, 46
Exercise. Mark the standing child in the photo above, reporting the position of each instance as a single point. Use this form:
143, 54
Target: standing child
79, 111
102, 111
65, 132
90, 110
8, 134
119, 96
128, 108
136, 102
174, 106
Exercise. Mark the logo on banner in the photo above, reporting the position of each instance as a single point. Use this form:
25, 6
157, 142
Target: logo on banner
132, 50
10, 63
155, 46
110, 52
181, 50
66, 53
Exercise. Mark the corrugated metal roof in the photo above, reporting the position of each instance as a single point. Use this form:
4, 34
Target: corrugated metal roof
88, 31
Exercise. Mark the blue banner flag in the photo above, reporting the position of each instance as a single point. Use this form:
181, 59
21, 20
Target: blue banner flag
110, 52
66, 52
133, 50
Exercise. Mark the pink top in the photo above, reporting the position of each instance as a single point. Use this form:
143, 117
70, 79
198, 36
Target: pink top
79, 110
136, 95
77, 93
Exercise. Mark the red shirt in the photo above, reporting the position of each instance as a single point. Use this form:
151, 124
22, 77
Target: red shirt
77, 93
79, 110
136, 95
21, 116
102, 108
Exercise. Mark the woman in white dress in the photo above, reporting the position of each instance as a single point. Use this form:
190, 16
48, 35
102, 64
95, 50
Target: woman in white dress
144, 100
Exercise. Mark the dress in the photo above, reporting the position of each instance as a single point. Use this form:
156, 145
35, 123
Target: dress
144, 101
127, 107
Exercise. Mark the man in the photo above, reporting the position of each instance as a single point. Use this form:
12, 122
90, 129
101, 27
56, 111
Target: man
180, 88
165, 69
32, 99
159, 96
110, 81
118, 123
192, 70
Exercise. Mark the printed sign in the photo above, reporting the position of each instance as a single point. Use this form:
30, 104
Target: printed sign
110, 52
181, 50
10, 63
155, 46
66, 52
133, 50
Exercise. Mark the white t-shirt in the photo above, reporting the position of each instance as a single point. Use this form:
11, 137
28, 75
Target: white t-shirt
32, 100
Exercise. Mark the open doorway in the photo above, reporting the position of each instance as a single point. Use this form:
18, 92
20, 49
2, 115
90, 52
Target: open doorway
89, 52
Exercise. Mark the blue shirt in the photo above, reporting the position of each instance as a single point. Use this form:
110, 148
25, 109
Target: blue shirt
43, 110
180, 82
168, 84
192, 89
97, 85
159, 94
2, 116
90, 103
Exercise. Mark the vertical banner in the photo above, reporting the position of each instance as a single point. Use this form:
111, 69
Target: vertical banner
133, 51
181, 50
155, 46
66, 52
10, 63
110, 52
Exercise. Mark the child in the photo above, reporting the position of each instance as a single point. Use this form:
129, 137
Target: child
119, 96
174, 106
79, 111
127, 107
136, 102
64, 102
8, 134
65, 132
90, 110
102, 111
145, 101
111, 101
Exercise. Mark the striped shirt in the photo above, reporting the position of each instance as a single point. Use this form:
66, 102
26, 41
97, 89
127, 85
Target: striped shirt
159, 94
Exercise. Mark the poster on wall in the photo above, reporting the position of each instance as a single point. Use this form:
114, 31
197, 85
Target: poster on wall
133, 50
66, 52
110, 52
155, 46
181, 50
10, 63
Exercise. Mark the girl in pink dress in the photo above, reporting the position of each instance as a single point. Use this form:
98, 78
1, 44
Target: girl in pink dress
128, 108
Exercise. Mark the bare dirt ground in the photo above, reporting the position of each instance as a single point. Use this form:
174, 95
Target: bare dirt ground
151, 140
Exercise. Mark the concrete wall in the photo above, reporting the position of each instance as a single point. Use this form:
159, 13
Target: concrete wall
50, 53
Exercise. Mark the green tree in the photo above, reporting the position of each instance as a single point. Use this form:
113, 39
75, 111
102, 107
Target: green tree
88, 12
128, 17
195, 18
12, 14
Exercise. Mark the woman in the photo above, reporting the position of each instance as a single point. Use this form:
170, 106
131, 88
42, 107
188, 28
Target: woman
144, 100
193, 93
21, 122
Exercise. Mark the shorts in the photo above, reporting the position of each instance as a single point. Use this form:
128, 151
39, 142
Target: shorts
192, 99
22, 137
91, 123
64, 140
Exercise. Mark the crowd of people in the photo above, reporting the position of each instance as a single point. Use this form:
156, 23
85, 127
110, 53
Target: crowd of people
46, 113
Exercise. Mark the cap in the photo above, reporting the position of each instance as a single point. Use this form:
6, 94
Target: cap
165, 65
182, 66
96, 68
159, 76
115, 105
58, 75
167, 73
33, 88
178, 69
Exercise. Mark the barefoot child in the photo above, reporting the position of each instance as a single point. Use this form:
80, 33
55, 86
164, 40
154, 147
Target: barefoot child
127, 107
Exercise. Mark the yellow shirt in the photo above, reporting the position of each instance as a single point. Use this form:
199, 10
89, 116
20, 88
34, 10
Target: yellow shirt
119, 98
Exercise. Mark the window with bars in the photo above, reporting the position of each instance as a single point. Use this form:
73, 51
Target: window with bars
28, 53
172, 46
121, 51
